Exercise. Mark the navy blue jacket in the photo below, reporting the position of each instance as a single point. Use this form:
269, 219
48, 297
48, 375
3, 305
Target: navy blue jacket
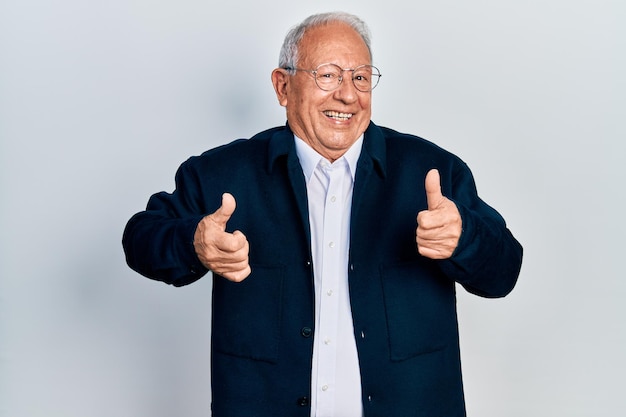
403, 305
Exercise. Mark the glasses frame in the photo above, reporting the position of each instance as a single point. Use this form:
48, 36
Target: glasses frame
342, 70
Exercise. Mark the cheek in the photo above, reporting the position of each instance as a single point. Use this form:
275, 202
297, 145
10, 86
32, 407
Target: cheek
366, 102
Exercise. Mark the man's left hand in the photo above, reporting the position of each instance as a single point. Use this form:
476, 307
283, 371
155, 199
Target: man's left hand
439, 227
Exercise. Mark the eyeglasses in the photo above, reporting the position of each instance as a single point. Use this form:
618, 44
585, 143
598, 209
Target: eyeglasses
328, 77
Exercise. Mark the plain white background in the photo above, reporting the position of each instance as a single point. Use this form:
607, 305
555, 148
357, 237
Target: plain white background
101, 101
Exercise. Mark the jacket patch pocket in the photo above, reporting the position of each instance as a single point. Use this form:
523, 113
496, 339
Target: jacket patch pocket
247, 315
421, 309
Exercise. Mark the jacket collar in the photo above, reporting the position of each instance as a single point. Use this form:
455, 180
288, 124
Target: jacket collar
282, 144
374, 149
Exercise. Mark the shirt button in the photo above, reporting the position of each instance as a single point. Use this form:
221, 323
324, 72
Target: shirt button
324, 387
329, 293
331, 244
333, 199
327, 341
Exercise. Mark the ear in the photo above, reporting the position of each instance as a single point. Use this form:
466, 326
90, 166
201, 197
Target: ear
280, 79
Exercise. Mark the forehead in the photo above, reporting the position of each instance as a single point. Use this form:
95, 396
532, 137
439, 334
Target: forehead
335, 42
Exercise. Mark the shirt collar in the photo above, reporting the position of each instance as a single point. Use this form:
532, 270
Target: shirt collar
373, 154
309, 158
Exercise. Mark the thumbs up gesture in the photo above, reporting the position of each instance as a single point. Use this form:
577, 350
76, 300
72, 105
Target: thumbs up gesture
439, 227
223, 253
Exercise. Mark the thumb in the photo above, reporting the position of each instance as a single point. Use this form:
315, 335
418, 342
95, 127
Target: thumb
433, 189
222, 214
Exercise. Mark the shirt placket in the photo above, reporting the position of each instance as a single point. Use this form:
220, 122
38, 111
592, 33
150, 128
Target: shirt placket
328, 297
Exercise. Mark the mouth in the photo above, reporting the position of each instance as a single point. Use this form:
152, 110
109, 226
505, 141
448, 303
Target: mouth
338, 116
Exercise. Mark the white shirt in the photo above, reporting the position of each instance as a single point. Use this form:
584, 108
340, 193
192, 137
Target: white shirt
335, 375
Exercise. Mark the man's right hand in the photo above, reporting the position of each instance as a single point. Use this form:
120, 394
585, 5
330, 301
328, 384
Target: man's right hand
224, 253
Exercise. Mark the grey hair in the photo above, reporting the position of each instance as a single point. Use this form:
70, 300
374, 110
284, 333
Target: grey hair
289, 56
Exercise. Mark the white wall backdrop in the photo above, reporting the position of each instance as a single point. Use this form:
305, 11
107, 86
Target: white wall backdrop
101, 101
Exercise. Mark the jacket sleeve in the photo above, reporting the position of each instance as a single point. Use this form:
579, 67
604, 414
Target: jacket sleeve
487, 260
158, 242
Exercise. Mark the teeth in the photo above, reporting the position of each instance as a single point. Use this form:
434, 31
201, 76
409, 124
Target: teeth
337, 115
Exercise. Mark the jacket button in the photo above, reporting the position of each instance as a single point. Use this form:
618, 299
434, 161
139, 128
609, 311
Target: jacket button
306, 331
303, 401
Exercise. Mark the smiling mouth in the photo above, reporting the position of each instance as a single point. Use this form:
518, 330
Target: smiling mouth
338, 116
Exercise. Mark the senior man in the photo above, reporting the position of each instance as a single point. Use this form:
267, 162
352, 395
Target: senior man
335, 247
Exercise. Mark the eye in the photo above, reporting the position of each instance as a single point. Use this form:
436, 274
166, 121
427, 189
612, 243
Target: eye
362, 74
327, 74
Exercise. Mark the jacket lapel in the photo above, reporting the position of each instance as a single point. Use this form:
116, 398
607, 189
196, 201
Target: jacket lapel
282, 146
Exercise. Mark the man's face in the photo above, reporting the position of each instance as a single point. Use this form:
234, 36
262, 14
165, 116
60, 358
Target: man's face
329, 121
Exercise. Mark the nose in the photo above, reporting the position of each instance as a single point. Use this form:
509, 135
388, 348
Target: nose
346, 91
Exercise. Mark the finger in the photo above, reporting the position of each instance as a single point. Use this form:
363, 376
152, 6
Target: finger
238, 276
433, 189
231, 243
222, 214
229, 266
234, 267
